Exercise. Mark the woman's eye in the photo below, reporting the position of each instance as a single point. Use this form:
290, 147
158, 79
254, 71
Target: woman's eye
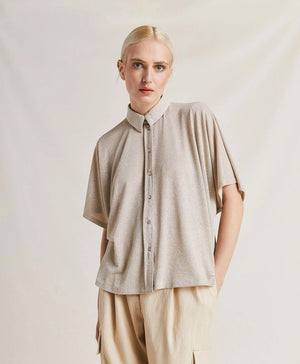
137, 64
161, 66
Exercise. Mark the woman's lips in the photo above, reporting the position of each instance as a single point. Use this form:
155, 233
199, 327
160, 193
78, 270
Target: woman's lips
146, 91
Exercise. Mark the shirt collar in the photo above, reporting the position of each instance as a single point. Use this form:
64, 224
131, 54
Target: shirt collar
153, 115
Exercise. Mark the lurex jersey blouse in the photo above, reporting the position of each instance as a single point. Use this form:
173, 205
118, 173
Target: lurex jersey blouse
155, 184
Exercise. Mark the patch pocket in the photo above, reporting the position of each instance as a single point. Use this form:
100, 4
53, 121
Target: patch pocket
201, 357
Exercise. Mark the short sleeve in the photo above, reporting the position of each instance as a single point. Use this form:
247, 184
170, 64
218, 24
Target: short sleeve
96, 207
223, 165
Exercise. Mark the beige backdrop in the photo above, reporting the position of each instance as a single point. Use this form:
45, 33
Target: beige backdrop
60, 91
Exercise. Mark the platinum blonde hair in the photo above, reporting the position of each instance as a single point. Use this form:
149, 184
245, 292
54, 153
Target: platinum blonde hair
146, 32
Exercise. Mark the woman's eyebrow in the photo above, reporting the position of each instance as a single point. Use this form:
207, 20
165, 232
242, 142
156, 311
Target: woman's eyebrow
140, 60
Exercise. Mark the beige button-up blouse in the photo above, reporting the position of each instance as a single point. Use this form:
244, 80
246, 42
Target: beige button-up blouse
155, 183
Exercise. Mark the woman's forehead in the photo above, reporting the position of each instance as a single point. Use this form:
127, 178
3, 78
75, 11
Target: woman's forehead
149, 50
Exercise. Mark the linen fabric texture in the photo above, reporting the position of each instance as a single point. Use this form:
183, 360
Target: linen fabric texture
155, 184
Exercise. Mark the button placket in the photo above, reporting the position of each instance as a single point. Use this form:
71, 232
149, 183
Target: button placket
147, 225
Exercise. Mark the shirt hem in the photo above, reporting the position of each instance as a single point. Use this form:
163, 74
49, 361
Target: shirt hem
121, 290
95, 221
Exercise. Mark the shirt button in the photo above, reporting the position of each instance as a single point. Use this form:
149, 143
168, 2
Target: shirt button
150, 172
149, 196
149, 150
149, 248
148, 221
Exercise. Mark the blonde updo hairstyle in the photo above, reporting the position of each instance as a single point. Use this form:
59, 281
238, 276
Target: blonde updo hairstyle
146, 32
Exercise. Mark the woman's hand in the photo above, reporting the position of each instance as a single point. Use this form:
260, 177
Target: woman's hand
219, 283
218, 288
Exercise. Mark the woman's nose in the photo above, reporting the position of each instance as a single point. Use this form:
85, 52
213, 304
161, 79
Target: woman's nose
147, 75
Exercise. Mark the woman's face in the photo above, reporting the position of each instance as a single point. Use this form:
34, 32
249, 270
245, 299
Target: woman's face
147, 66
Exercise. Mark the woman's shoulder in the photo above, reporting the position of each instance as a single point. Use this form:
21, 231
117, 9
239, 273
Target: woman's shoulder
190, 106
112, 134
191, 110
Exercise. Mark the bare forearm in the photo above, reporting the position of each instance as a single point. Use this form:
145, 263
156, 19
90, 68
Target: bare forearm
229, 228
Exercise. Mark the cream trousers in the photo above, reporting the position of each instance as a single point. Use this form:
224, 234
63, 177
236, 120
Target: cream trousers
166, 326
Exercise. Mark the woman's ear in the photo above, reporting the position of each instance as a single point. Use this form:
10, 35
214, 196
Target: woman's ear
120, 66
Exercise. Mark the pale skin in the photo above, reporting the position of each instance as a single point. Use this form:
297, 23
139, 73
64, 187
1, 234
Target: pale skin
148, 64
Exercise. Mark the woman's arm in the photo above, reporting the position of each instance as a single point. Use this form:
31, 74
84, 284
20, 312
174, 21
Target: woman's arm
104, 242
229, 228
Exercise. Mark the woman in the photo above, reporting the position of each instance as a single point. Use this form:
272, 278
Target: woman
157, 180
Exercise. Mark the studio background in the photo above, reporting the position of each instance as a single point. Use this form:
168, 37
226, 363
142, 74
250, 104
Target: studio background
60, 91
